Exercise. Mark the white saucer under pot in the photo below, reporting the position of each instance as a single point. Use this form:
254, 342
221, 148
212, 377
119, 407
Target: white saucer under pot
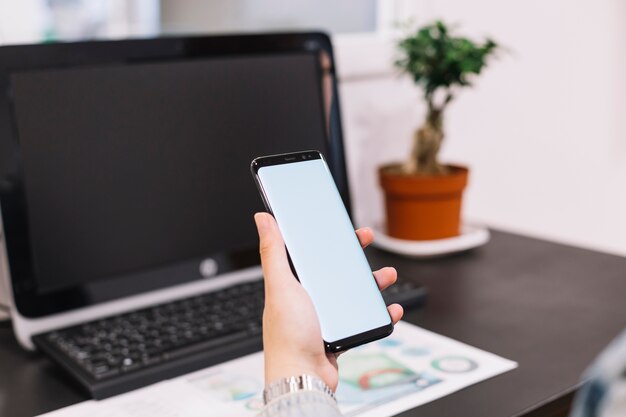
471, 236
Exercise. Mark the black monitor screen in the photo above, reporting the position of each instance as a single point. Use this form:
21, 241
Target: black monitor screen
131, 167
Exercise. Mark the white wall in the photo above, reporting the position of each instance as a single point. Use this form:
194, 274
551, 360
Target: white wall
201, 16
34, 21
544, 130
22, 21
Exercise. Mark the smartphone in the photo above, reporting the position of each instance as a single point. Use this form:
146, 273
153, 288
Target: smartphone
326, 256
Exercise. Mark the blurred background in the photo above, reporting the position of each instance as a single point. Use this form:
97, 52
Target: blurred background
543, 131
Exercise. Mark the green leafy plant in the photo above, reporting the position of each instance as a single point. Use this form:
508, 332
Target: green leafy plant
440, 64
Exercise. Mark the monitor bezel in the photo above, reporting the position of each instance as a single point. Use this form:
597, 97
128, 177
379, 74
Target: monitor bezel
27, 299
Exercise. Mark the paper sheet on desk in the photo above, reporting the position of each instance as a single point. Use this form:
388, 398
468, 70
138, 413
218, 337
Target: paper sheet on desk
411, 367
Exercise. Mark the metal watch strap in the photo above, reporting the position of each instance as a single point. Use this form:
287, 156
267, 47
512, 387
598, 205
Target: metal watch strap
294, 384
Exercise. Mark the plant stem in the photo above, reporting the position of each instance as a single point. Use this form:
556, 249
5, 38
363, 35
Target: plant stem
427, 142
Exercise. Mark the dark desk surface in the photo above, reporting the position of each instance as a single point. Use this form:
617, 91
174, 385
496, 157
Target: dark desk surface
550, 307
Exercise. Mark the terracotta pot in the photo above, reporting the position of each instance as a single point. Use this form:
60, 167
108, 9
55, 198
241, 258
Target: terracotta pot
423, 207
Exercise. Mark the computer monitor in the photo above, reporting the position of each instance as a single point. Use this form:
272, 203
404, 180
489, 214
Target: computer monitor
125, 164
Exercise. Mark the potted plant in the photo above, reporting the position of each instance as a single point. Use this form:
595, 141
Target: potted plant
422, 195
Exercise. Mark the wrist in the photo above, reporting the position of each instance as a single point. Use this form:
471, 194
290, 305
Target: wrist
290, 385
277, 371
284, 366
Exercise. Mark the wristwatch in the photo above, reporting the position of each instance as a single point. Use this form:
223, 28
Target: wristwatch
294, 384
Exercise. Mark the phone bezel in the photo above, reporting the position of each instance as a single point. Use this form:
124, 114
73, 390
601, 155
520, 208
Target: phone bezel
304, 156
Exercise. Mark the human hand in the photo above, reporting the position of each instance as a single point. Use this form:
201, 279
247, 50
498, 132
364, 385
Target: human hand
292, 339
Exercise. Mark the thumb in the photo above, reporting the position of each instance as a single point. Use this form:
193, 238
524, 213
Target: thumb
276, 268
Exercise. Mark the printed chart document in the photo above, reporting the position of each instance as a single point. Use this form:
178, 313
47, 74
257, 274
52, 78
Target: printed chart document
411, 367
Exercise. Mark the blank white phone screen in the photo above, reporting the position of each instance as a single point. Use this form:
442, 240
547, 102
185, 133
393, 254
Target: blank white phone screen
324, 248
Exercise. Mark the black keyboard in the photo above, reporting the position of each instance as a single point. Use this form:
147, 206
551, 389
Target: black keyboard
116, 354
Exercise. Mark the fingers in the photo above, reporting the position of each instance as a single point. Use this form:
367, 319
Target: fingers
396, 312
276, 268
366, 236
385, 277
